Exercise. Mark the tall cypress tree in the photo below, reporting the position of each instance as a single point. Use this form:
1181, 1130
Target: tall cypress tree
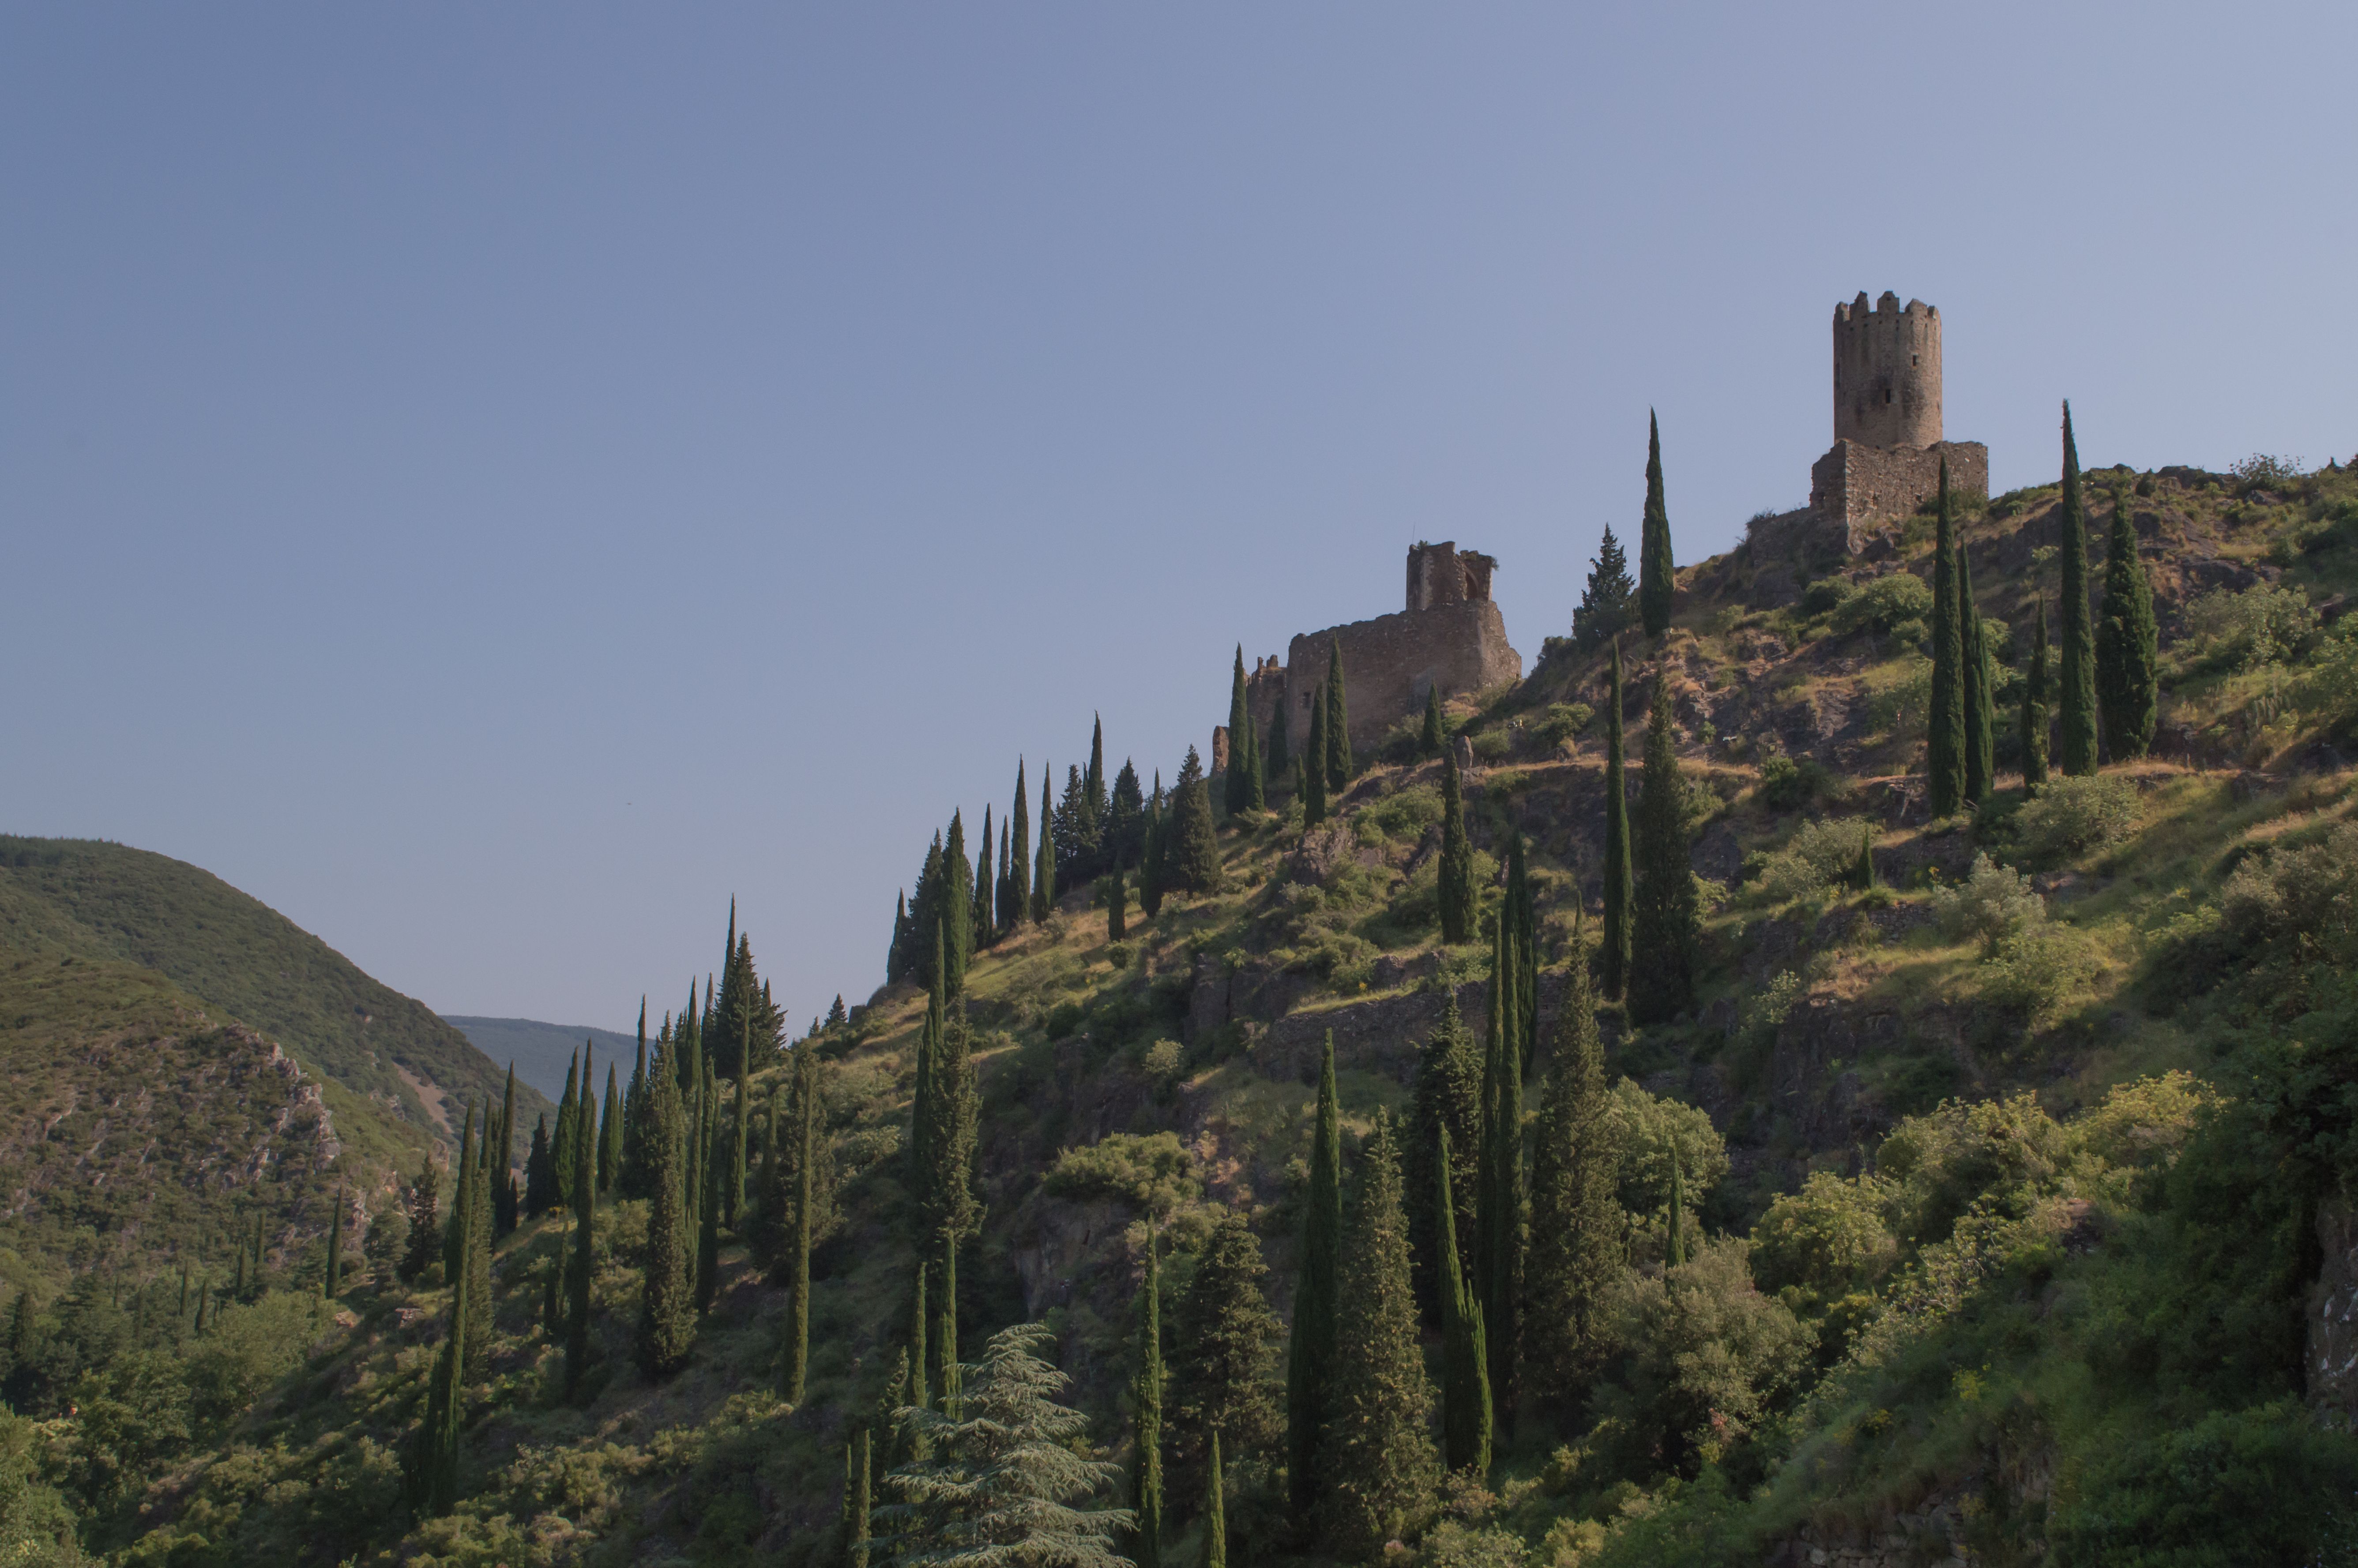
332, 1286
957, 911
1674, 1255
1620, 891
667, 1310
1146, 1419
539, 1171
1435, 734
2077, 750
859, 1479
1523, 914
1043, 870
1667, 923
1575, 1257
1979, 683
1378, 1459
503, 1192
562, 1147
1945, 742
1150, 855
1314, 766
637, 1105
1018, 861
1215, 1513
1239, 740
979, 936
1279, 759
1656, 582
710, 1181
1456, 872
1312, 1347
1340, 765
1498, 1204
804, 1134
1256, 776
478, 1259
612, 1129
1446, 1099
454, 1236
1007, 911
435, 1478
1466, 1417
2035, 707
2128, 675
577, 1277
740, 1139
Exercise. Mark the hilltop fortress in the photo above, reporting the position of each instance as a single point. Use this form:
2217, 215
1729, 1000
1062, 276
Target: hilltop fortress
1884, 463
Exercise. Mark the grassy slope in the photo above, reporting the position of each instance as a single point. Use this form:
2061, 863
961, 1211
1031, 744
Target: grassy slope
1891, 1017
105, 901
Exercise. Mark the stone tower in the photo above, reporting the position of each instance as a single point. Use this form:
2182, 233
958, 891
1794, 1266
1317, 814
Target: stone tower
1888, 446
1888, 373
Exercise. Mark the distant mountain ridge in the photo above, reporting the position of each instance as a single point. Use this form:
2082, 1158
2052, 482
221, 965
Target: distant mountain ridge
542, 1051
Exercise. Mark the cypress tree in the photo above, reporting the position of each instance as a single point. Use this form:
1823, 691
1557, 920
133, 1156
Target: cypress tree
2034, 708
503, 1192
477, 1261
1446, 1099
710, 1175
1240, 739
1008, 909
945, 1335
1498, 1202
1979, 683
804, 1134
1093, 781
688, 1046
1338, 724
636, 1106
980, 937
944, 1144
858, 1477
1620, 891
1116, 906
454, 1235
1018, 861
1215, 1513
739, 1139
1675, 1254
1192, 863
1656, 583
1378, 1459
1435, 735
434, 1480
611, 1130
1256, 776
2078, 702
1862, 875
1575, 1256
1150, 856
1146, 1419
1607, 601
1456, 872
1043, 870
1667, 923
577, 1277
1310, 1354
1464, 1353
896, 954
918, 1395
561, 1148
2128, 675
667, 1316
1945, 742
1520, 912
957, 912
332, 1287
1314, 766
1280, 756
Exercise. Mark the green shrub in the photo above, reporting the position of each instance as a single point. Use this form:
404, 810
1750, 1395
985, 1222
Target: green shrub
2145, 1121
2004, 1153
1818, 857
2262, 624
2034, 969
1787, 785
1828, 1239
1401, 816
1491, 745
1702, 1355
1453, 1545
2069, 816
1645, 1131
1883, 603
1153, 1171
1993, 903
1560, 723
1825, 594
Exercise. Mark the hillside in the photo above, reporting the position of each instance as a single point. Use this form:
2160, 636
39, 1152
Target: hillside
2013, 1181
541, 1051
101, 901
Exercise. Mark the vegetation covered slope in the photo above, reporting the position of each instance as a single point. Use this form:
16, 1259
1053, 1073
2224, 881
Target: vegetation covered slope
102, 901
1977, 1201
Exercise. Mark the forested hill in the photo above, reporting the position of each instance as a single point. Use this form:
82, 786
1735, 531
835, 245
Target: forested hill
1896, 1113
97, 899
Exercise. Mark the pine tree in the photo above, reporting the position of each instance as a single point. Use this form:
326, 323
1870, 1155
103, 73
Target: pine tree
1222, 1350
1620, 891
1980, 683
1311, 1352
1240, 738
503, 1192
1019, 862
1499, 1200
804, 1139
1435, 734
579, 1275
562, 1146
1446, 1099
2078, 700
1456, 872
1466, 1427
1377, 1457
1609, 601
1655, 581
667, 1313
2128, 661
2035, 707
1667, 923
1339, 766
332, 1287
1192, 864
1312, 763
1575, 1257
1001, 1470
1944, 743
1215, 1513
1146, 1420
858, 1464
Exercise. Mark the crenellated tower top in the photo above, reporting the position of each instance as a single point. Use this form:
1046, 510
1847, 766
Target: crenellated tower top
1888, 373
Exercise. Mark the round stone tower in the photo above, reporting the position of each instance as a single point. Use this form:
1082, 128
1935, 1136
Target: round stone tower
1888, 373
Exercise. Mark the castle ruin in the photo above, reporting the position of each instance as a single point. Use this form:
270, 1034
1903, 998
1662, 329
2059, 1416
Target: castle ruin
1886, 460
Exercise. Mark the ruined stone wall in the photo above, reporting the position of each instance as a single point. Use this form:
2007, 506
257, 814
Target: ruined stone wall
1443, 574
1888, 373
1858, 487
1389, 663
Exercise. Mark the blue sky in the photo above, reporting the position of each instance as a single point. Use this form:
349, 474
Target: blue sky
496, 481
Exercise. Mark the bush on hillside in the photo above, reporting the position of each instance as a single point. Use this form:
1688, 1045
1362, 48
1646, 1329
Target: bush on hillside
2262, 624
1994, 903
1882, 604
1788, 784
2004, 1153
2035, 970
1826, 594
1645, 1130
1703, 1355
1822, 855
2143, 1122
1829, 1239
1401, 816
1151, 1172
2071, 816
1562, 721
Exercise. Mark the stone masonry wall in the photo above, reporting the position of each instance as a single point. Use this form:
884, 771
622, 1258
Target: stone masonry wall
1389, 663
1858, 487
